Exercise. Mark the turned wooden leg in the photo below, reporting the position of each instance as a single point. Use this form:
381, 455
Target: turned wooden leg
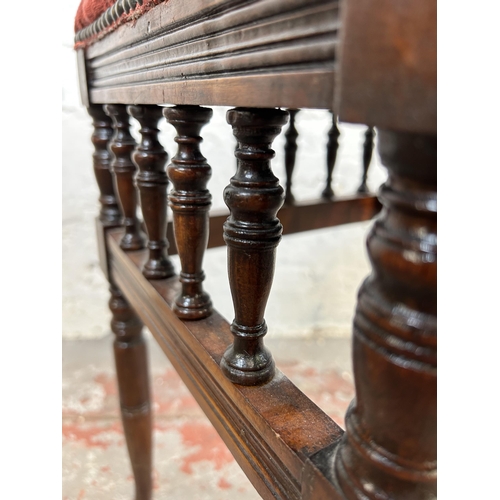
133, 385
190, 201
252, 233
122, 145
152, 182
331, 156
389, 449
290, 154
367, 157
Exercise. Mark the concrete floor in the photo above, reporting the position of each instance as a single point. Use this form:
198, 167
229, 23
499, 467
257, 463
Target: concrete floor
191, 462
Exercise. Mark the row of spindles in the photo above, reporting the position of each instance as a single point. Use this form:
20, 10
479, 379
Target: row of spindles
389, 447
332, 145
252, 231
254, 196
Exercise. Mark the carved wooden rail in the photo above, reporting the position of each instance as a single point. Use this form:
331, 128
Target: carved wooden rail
258, 57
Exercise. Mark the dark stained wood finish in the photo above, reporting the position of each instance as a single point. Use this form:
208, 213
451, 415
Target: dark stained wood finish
122, 145
190, 201
272, 430
133, 386
331, 156
109, 213
302, 216
284, 53
252, 233
252, 45
387, 65
368, 146
152, 182
389, 450
290, 153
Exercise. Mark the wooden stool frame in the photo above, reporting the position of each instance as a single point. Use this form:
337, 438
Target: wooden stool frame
259, 57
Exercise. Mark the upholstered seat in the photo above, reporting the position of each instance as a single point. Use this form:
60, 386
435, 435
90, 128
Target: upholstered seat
96, 18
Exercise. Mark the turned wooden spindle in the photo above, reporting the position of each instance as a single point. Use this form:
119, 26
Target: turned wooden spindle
109, 213
152, 182
122, 145
290, 152
331, 156
368, 146
252, 233
133, 386
190, 201
389, 449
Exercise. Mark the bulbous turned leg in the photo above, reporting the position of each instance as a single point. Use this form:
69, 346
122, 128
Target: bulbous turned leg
368, 146
252, 233
389, 449
133, 385
331, 156
290, 154
152, 182
122, 145
190, 201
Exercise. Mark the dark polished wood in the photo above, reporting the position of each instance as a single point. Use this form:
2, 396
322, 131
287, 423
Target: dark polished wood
190, 201
331, 156
152, 182
368, 146
272, 430
269, 54
304, 215
122, 145
109, 214
133, 386
388, 74
295, 41
290, 154
252, 233
389, 449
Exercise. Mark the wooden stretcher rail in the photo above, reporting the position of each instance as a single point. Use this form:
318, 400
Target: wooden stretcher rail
301, 216
272, 430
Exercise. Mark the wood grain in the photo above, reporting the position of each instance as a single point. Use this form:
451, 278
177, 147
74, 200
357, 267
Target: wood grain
388, 73
190, 201
272, 429
293, 40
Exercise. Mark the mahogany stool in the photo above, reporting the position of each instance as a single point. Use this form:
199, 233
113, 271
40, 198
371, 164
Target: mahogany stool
172, 60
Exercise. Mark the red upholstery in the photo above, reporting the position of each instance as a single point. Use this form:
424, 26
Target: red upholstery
89, 10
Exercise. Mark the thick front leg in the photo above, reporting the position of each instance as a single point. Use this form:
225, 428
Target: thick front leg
389, 449
133, 386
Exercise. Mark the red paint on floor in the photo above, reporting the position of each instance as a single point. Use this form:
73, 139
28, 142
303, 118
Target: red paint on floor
209, 446
223, 484
92, 436
108, 383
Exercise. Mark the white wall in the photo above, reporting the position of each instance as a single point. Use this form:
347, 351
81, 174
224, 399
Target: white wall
317, 272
